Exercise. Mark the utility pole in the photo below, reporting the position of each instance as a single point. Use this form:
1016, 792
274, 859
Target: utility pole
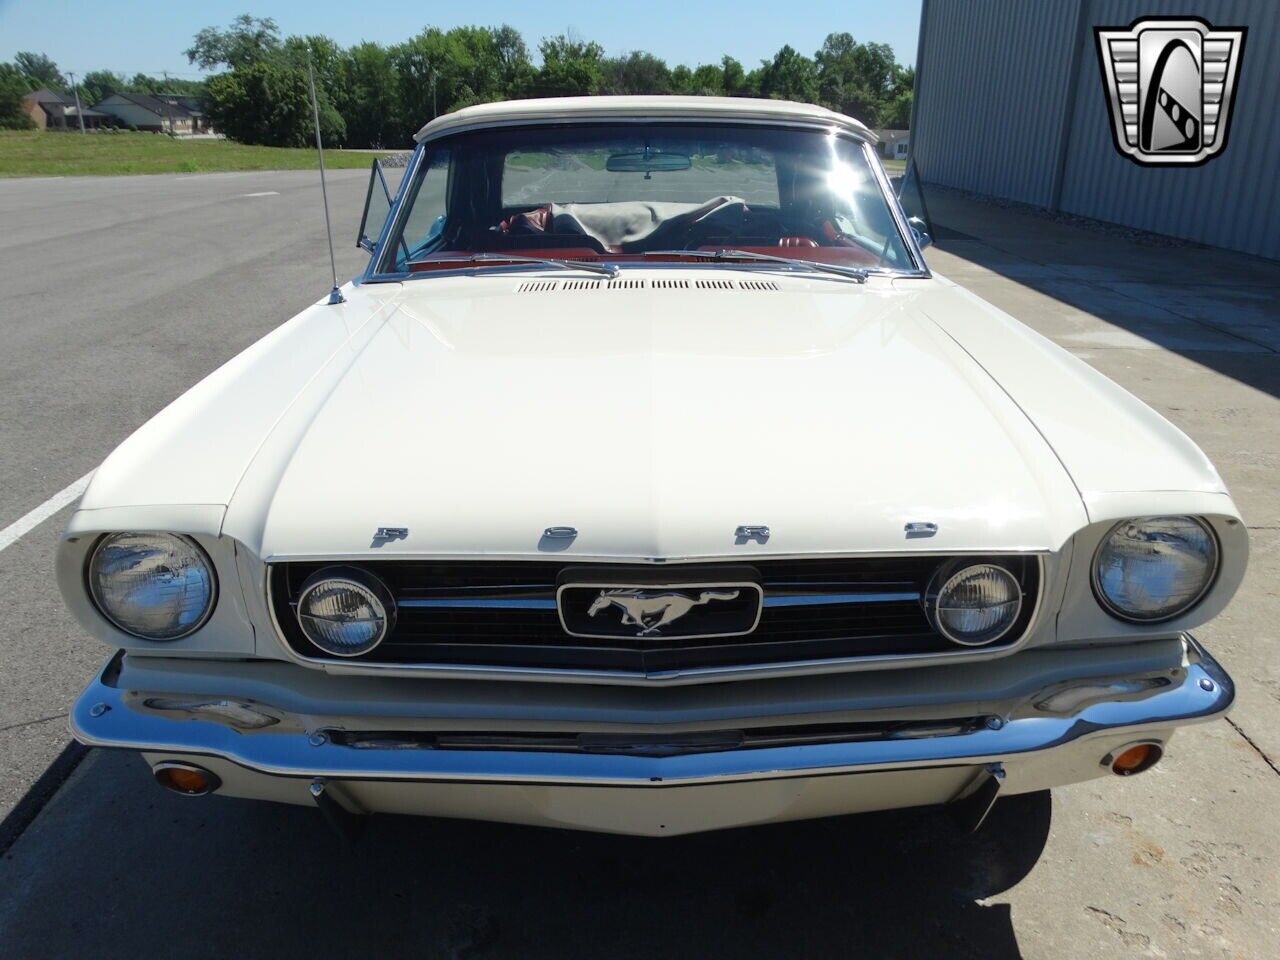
168, 107
76, 93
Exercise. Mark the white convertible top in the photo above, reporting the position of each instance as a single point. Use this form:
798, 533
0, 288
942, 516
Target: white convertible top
646, 108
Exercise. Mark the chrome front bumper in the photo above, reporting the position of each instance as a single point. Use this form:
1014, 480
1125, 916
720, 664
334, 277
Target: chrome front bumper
298, 743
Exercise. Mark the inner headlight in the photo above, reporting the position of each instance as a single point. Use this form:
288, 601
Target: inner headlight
345, 611
155, 586
977, 604
1154, 568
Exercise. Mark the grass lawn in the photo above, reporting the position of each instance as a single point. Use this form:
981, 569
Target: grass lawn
40, 154
894, 167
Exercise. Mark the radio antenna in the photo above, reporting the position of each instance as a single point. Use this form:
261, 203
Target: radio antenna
335, 295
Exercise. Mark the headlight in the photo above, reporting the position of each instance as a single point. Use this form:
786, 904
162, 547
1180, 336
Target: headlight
1154, 568
155, 586
345, 611
977, 604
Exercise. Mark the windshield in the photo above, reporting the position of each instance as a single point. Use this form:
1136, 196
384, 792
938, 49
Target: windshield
619, 192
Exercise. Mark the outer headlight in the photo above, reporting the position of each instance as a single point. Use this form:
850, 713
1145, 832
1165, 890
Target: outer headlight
977, 604
1154, 568
345, 611
155, 586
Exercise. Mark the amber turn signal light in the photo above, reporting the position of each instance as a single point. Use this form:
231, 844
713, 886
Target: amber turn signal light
1133, 758
185, 779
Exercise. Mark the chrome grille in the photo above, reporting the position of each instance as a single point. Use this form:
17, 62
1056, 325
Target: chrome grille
503, 613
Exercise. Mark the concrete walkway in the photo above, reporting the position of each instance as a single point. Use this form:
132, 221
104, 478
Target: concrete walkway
1180, 862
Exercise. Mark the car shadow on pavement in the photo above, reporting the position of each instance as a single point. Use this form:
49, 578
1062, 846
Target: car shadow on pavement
117, 868
1094, 287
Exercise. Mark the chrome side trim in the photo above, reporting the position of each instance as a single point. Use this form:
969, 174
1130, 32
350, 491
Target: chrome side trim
822, 599
473, 603
1196, 692
814, 600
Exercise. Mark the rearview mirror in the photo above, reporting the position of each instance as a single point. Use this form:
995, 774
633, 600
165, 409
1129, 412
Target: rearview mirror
647, 161
377, 205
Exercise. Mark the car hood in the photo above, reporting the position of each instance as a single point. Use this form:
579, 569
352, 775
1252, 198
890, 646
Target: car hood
654, 416
655, 422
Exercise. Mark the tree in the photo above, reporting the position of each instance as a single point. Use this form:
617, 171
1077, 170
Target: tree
325, 57
270, 103
382, 95
635, 73
895, 113
515, 71
856, 78
145, 83
13, 87
97, 85
431, 68
370, 104
248, 40
482, 64
40, 70
706, 81
733, 80
570, 67
789, 76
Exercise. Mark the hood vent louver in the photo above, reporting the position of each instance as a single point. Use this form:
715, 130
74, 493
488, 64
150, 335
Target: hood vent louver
577, 286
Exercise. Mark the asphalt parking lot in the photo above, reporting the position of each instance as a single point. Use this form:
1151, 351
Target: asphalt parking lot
118, 294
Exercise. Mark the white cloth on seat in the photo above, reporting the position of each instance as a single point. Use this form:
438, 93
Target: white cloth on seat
615, 224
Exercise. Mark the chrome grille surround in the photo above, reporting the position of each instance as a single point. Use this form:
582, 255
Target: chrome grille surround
740, 661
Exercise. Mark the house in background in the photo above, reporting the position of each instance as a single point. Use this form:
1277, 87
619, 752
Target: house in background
894, 144
162, 113
57, 111
200, 123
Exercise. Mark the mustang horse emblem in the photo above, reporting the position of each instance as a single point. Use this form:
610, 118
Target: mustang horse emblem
653, 610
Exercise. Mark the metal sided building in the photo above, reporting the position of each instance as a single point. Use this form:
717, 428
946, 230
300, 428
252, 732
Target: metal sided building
1011, 102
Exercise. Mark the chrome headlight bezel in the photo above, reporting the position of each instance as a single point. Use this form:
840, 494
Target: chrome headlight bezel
944, 580
365, 583
103, 608
1119, 613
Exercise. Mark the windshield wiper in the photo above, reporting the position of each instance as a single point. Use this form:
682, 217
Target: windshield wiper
856, 274
605, 269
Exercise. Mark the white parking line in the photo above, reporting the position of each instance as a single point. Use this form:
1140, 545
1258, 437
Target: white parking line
25, 524
264, 193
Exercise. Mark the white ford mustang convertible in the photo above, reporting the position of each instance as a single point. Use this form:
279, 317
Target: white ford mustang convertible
648, 481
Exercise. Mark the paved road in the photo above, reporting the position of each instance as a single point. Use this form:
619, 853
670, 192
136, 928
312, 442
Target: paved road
120, 293
116, 295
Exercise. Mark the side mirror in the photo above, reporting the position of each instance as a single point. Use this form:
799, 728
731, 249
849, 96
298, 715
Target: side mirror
911, 198
920, 230
377, 206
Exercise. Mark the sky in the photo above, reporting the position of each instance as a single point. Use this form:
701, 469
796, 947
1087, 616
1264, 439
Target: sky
148, 36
